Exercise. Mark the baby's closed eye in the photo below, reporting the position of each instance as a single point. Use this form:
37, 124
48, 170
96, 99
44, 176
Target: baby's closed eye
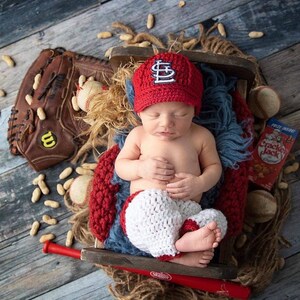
180, 115
153, 115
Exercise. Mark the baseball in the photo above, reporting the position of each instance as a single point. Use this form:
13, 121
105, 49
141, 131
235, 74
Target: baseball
264, 102
87, 92
261, 206
80, 189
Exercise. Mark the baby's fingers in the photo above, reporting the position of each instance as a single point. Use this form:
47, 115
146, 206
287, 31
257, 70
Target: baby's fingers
178, 190
165, 166
163, 177
163, 163
179, 195
176, 185
165, 172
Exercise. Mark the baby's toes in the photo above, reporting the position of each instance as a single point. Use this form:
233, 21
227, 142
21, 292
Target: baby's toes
200, 265
218, 234
208, 255
212, 225
215, 244
204, 261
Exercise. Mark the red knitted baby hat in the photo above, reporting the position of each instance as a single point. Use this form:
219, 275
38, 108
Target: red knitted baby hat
167, 77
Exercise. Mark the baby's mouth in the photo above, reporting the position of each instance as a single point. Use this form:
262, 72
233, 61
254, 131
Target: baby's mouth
166, 133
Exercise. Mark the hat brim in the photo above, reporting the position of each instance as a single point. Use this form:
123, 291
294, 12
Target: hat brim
166, 94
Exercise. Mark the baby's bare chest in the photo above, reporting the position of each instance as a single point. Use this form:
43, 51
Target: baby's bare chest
181, 153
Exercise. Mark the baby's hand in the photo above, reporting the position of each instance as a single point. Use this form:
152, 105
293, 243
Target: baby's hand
156, 169
187, 187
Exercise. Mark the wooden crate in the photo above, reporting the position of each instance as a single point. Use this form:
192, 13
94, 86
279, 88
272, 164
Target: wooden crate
224, 268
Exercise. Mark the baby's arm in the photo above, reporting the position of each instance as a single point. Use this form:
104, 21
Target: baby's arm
189, 186
127, 162
210, 163
130, 167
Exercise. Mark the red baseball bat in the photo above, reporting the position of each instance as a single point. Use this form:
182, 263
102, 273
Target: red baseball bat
217, 286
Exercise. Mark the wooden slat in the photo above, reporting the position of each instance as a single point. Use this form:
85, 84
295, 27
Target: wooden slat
280, 71
278, 19
293, 120
26, 272
91, 286
8, 161
106, 257
18, 17
290, 228
16, 188
230, 65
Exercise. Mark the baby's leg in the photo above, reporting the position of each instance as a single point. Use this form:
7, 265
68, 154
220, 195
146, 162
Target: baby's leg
202, 231
152, 222
187, 208
195, 259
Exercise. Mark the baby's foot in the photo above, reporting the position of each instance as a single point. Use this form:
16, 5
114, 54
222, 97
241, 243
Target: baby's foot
195, 259
204, 238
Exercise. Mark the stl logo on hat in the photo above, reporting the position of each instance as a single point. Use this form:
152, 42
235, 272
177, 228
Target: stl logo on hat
162, 72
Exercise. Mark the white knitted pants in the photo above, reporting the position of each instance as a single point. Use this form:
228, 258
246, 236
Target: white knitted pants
153, 221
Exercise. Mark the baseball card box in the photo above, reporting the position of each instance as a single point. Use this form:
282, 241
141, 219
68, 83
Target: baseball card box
271, 152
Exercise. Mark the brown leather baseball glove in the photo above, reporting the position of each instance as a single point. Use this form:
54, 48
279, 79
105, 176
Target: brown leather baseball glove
45, 128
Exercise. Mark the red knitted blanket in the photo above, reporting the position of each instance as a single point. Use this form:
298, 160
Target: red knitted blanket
233, 193
102, 200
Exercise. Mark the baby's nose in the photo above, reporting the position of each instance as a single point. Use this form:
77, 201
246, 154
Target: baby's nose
166, 121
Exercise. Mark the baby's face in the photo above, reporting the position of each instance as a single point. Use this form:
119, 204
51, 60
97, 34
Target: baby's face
167, 120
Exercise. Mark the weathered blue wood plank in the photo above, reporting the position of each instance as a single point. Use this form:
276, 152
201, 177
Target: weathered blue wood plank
26, 272
91, 286
8, 161
278, 19
290, 229
15, 193
280, 70
23, 18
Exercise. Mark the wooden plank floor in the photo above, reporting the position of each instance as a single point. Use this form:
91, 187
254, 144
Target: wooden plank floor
27, 27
